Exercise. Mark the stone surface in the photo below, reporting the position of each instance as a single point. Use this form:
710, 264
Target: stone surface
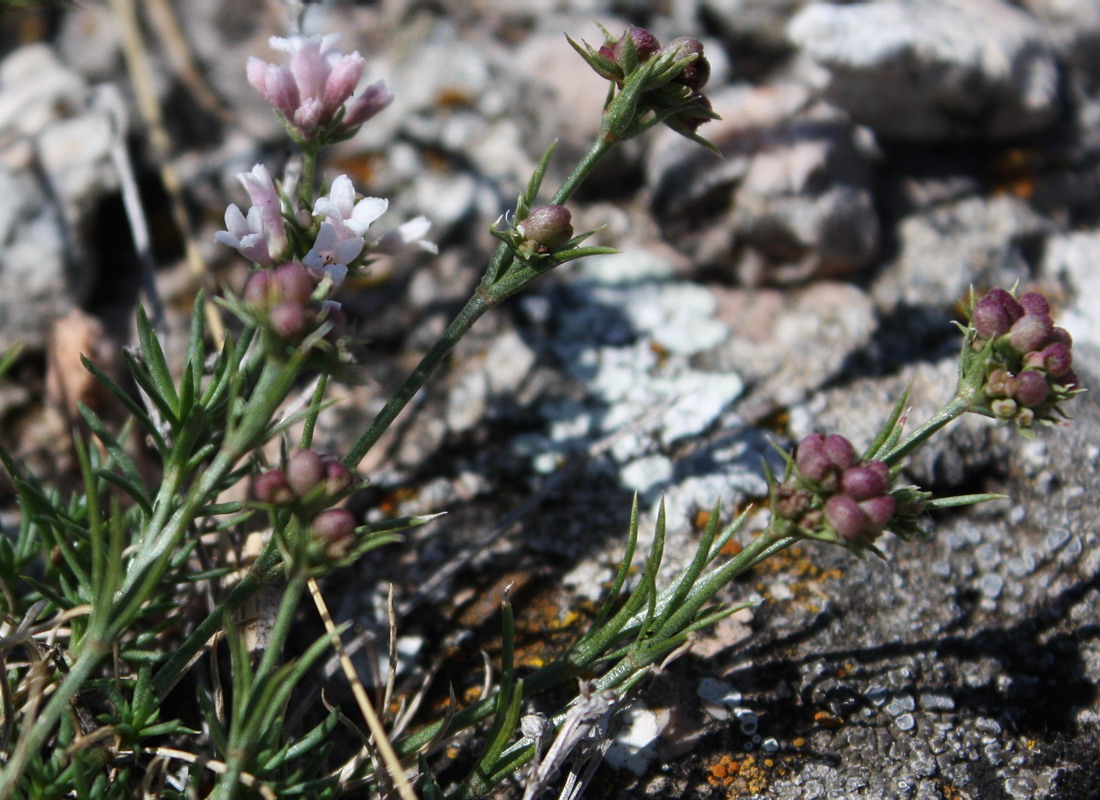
955, 69
790, 201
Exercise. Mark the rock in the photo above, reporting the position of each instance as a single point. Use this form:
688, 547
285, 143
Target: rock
944, 71
791, 201
973, 240
35, 88
1072, 258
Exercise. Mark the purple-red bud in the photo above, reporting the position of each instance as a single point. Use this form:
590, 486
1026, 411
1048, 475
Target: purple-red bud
1034, 303
1057, 358
866, 480
846, 517
696, 74
272, 487
879, 511
645, 45
304, 471
338, 478
335, 526
549, 226
994, 314
1030, 332
1031, 388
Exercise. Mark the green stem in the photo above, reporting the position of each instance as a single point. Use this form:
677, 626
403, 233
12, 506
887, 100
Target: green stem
94, 651
309, 177
475, 307
597, 151
958, 406
243, 740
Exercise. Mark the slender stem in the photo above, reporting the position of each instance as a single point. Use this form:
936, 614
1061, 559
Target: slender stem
958, 406
470, 313
309, 176
597, 151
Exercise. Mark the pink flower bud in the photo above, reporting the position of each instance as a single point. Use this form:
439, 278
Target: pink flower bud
865, 480
272, 487
548, 226
294, 283
337, 477
1030, 332
810, 458
846, 517
341, 82
994, 314
879, 511
257, 289
840, 451
374, 98
335, 527
1061, 335
288, 319
1031, 388
304, 471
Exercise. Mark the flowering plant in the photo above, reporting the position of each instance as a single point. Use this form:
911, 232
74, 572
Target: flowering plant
109, 558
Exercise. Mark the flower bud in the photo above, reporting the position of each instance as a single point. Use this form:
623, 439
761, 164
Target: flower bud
293, 282
866, 480
304, 471
288, 319
696, 74
790, 501
846, 517
335, 527
994, 314
338, 478
1057, 358
1034, 303
879, 511
257, 289
1030, 332
1031, 388
1004, 408
1024, 418
840, 451
548, 226
645, 45
998, 383
272, 487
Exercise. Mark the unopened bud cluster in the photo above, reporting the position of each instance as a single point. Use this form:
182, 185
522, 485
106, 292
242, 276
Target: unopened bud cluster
1025, 362
281, 300
308, 485
832, 490
673, 89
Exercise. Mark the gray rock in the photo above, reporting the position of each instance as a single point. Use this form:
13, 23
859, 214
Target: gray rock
791, 200
945, 249
955, 69
1072, 258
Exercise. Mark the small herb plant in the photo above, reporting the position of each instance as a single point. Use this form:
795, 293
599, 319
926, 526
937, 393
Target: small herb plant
95, 644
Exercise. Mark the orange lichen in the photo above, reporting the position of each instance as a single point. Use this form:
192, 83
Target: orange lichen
827, 720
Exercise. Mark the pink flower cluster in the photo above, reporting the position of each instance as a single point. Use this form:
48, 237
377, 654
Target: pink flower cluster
856, 493
261, 235
311, 93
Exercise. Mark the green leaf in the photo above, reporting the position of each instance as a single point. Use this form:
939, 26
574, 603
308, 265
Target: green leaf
131, 405
156, 363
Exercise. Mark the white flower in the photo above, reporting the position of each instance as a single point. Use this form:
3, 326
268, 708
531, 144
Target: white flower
340, 208
332, 253
407, 235
246, 234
